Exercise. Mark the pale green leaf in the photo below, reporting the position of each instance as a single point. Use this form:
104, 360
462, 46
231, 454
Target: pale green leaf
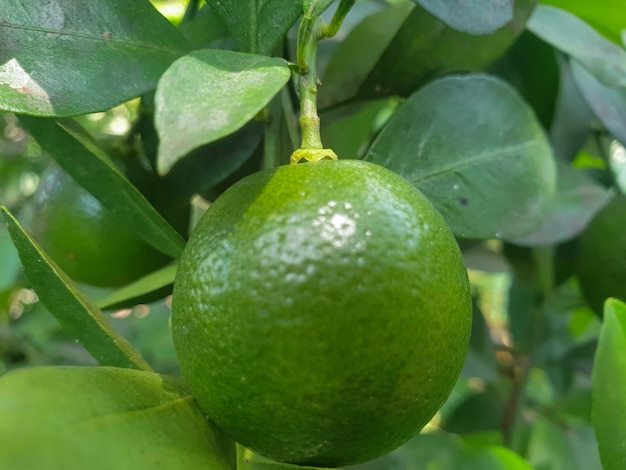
210, 94
570, 34
609, 387
102, 418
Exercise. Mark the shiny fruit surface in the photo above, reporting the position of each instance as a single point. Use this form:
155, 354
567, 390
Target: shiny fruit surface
321, 312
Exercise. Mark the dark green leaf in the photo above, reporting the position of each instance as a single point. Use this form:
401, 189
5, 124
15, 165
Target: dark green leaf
607, 16
572, 117
10, 265
576, 38
477, 18
531, 66
351, 63
159, 282
473, 146
408, 47
77, 153
609, 387
210, 94
82, 320
575, 202
65, 58
608, 104
258, 25
208, 166
59, 418
437, 450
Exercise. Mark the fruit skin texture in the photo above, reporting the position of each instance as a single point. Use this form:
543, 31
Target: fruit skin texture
85, 239
321, 312
602, 255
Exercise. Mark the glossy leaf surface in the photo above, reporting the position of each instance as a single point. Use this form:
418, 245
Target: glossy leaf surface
103, 418
62, 58
476, 18
210, 94
498, 185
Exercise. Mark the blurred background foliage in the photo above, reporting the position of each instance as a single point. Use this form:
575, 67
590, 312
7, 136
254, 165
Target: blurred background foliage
526, 384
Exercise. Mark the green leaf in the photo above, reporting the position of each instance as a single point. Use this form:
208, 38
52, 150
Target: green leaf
609, 387
258, 25
314, 8
493, 458
476, 18
548, 447
62, 58
407, 48
159, 283
608, 104
101, 418
207, 166
82, 320
576, 38
572, 207
531, 66
77, 153
351, 63
476, 150
607, 16
210, 94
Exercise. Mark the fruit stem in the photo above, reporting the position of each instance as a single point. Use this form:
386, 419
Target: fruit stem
310, 32
308, 37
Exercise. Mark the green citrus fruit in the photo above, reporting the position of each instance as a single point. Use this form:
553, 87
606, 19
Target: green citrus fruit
321, 312
602, 255
87, 240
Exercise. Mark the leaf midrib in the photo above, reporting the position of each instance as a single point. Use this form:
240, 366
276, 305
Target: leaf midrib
91, 37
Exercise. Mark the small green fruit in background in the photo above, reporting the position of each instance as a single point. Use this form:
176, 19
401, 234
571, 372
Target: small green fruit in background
602, 255
87, 240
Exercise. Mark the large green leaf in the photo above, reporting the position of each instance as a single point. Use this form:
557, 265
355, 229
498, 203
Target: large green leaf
475, 18
67, 58
576, 38
408, 47
608, 104
258, 25
82, 320
64, 418
473, 146
77, 153
210, 94
607, 16
609, 387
